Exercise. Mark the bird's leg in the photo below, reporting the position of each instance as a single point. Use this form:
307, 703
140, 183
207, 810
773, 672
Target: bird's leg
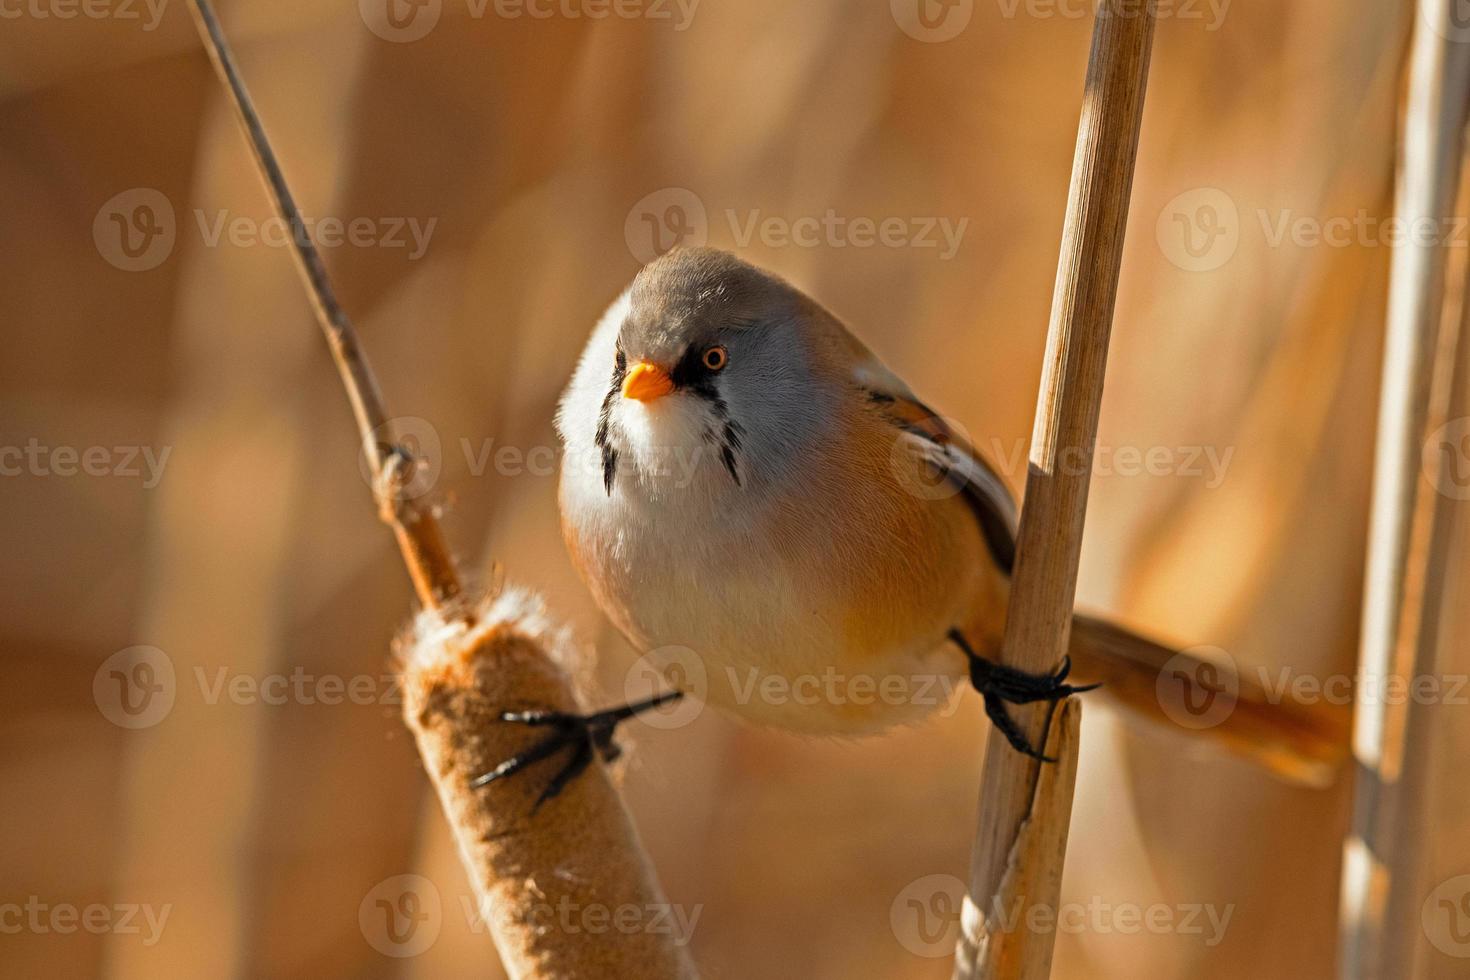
1000, 685
584, 735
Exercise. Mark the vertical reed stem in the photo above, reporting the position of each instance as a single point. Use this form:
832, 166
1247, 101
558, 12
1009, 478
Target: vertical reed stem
1021, 839
1382, 859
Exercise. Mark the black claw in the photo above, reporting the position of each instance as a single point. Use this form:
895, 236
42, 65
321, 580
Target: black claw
615, 715
585, 735
995, 708
1001, 685
580, 760
545, 748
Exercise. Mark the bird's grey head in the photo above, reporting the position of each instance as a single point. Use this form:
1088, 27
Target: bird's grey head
714, 364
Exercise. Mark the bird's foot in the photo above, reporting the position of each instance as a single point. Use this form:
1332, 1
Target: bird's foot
583, 735
1000, 685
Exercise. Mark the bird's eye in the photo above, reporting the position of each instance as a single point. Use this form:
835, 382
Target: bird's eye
715, 358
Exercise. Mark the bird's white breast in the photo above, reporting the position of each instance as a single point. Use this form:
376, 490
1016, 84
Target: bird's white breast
779, 613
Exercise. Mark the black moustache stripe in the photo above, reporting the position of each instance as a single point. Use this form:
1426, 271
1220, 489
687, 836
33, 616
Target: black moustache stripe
609, 468
730, 431
727, 456
604, 421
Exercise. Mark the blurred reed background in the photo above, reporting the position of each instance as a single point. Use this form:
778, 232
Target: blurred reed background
538, 157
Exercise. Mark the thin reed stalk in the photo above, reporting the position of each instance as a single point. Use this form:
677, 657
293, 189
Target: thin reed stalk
464, 666
1021, 840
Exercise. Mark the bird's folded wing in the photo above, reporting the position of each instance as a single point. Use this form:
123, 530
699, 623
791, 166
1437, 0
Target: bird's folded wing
984, 489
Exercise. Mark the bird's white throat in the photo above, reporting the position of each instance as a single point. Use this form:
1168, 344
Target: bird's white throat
667, 445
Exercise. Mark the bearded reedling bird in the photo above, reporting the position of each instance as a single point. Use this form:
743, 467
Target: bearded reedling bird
764, 492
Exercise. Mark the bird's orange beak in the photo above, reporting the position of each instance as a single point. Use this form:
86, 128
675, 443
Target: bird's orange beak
646, 381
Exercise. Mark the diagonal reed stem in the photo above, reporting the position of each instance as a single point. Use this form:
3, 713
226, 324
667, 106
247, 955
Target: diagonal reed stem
414, 523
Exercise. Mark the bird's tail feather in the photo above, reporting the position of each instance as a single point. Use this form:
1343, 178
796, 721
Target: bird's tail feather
1192, 693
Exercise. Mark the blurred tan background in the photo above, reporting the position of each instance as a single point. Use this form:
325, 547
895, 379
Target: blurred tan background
536, 157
